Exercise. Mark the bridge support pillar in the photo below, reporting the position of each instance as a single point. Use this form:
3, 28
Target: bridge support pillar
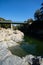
11, 27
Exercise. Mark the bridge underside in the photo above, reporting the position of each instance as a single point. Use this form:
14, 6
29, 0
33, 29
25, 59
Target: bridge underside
10, 23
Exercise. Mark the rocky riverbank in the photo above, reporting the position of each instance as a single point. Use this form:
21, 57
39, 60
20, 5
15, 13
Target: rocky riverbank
9, 38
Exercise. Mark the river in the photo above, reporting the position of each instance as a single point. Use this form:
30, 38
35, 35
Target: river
32, 46
28, 46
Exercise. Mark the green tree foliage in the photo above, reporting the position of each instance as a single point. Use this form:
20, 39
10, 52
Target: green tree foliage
2, 19
34, 28
41, 11
26, 27
5, 25
38, 15
29, 21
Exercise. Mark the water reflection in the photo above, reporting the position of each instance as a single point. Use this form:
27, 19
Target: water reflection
29, 48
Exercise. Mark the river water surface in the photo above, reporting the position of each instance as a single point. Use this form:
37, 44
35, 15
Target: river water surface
32, 46
28, 46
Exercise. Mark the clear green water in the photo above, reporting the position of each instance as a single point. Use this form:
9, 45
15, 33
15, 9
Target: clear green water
28, 46
35, 46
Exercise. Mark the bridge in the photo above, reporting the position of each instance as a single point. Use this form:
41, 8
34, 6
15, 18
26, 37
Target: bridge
10, 22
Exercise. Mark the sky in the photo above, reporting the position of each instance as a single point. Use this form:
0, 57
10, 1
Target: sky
19, 10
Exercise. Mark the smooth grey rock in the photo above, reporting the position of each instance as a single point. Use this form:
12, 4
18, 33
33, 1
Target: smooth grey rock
13, 60
7, 40
3, 53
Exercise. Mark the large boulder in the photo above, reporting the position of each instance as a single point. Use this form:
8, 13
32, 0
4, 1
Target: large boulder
28, 58
13, 60
8, 34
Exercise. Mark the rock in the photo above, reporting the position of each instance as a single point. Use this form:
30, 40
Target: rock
6, 58
41, 62
8, 38
13, 60
40, 59
4, 53
11, 43
8, 34
28, 58
3, 45
17, 38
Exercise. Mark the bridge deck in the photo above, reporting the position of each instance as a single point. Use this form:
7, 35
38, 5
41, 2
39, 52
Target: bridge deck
10, 22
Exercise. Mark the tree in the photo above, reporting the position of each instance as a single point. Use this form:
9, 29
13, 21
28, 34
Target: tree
30, 21
2, 19
38, 15
5, 25
41, 11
